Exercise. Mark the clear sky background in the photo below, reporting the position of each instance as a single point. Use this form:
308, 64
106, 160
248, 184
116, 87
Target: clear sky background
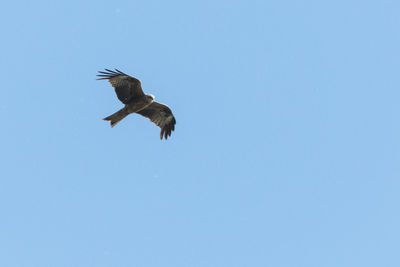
286, 150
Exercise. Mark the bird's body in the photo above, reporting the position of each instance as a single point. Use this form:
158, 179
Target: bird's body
129, 92
139, 103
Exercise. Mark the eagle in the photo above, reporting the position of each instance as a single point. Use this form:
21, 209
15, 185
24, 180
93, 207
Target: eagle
129, 92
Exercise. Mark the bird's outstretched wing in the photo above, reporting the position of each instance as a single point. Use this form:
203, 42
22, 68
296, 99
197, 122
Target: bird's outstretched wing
126, 87
161, 115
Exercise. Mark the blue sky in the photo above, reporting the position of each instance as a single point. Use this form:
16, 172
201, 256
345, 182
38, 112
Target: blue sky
286, 150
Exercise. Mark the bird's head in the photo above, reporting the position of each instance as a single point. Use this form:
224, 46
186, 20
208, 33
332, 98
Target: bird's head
150, 98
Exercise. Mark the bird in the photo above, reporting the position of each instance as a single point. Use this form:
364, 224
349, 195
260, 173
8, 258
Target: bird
129, 92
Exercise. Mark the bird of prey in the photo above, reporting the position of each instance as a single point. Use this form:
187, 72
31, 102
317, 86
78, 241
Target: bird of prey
129, 92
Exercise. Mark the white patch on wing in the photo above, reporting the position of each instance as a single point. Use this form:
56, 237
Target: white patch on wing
168, 119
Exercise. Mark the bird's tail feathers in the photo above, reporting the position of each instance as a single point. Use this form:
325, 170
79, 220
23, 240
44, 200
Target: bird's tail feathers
117, 116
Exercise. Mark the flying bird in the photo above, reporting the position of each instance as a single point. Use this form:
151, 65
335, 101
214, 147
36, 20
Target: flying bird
129, 92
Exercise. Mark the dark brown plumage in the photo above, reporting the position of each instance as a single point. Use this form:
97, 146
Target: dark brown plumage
161, 115
129, 91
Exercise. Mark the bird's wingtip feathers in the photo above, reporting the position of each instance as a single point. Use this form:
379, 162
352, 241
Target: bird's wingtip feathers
108, 74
